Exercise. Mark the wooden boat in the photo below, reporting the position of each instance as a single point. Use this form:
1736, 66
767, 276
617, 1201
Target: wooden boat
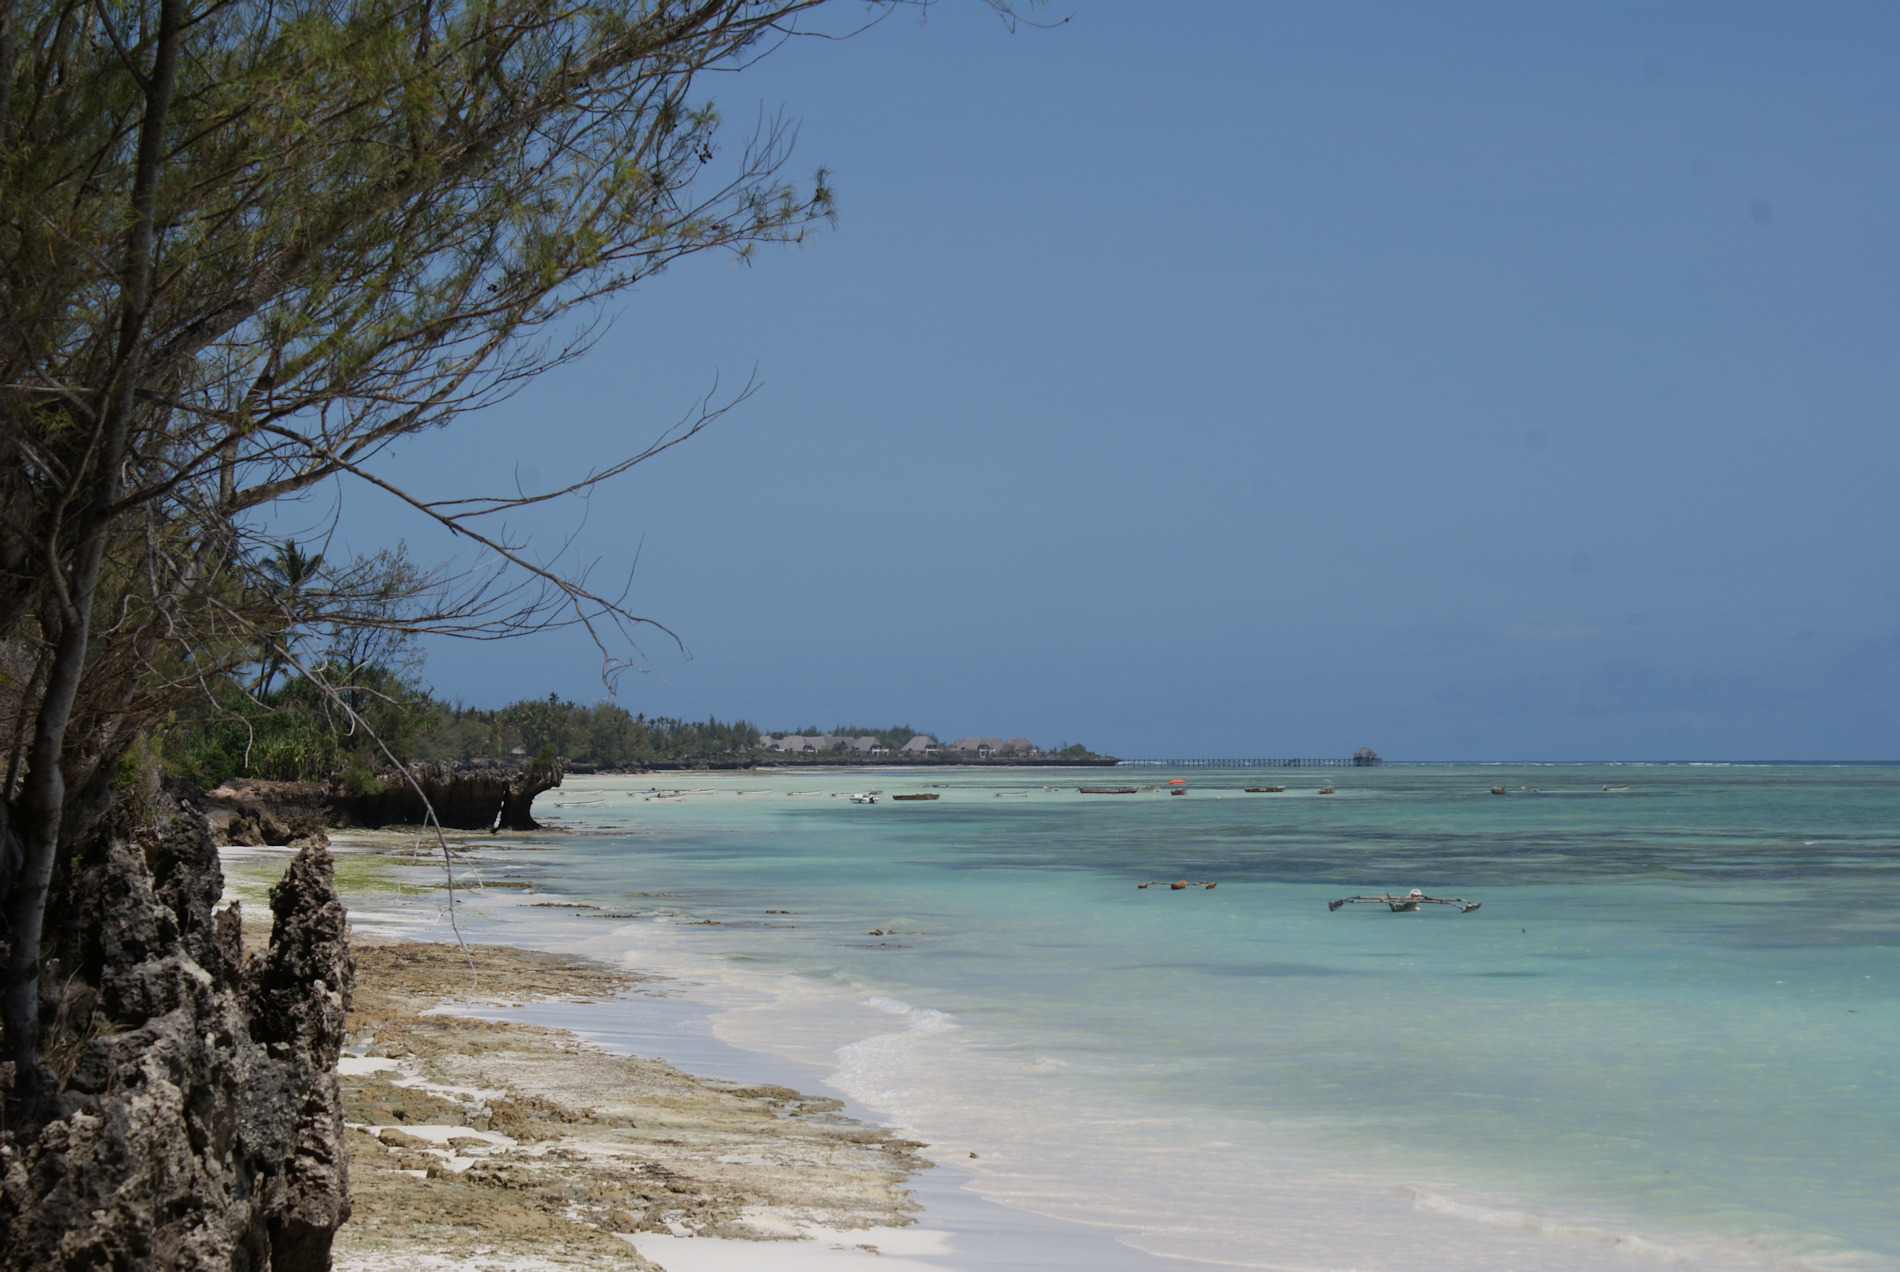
924, 795
1107, 790
1327, 790
1407, 903
1497, 790
1616, 788
1265, 790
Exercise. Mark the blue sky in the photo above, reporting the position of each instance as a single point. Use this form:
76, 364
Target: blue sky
1467, 381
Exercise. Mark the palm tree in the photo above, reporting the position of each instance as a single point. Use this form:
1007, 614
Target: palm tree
290, 570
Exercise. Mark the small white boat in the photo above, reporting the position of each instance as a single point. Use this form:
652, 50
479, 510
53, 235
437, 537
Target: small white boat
864, 797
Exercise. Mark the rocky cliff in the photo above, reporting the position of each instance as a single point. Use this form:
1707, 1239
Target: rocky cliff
466, 795
197, 1123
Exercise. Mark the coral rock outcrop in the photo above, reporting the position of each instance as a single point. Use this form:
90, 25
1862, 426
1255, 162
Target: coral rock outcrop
197, 1123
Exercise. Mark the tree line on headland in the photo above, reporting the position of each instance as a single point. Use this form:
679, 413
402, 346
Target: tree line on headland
294, 732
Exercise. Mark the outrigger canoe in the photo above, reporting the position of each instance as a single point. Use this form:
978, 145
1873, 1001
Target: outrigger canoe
1409, 902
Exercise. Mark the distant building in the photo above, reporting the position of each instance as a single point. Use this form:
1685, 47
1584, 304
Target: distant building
920, 744
799, 744
1365, 757
983, 748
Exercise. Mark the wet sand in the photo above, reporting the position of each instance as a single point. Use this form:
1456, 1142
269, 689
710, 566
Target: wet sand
490, 1146
479, 1144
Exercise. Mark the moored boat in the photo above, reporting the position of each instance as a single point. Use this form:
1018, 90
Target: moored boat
1406, 904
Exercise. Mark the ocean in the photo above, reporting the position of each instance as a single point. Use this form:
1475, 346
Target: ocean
1669, 1037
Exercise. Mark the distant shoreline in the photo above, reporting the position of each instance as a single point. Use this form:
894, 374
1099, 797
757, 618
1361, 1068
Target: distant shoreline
777, 761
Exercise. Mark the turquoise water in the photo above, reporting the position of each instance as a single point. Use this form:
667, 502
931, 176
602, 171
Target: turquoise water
1667, 1038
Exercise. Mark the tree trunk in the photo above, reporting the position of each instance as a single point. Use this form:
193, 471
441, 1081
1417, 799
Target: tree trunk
91, 498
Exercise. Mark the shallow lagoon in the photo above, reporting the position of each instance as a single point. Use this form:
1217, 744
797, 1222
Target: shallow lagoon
1666, 1038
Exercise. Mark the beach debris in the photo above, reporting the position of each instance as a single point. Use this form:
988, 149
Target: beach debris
1404, 904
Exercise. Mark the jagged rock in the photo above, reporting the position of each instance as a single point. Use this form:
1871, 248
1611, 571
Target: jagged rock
197, 1123
254, 826
465, 795
245, 830
299, 997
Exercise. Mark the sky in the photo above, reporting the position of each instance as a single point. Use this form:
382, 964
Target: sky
1490, 382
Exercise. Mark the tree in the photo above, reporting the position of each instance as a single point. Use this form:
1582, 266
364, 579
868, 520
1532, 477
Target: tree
246, 246
287, 573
